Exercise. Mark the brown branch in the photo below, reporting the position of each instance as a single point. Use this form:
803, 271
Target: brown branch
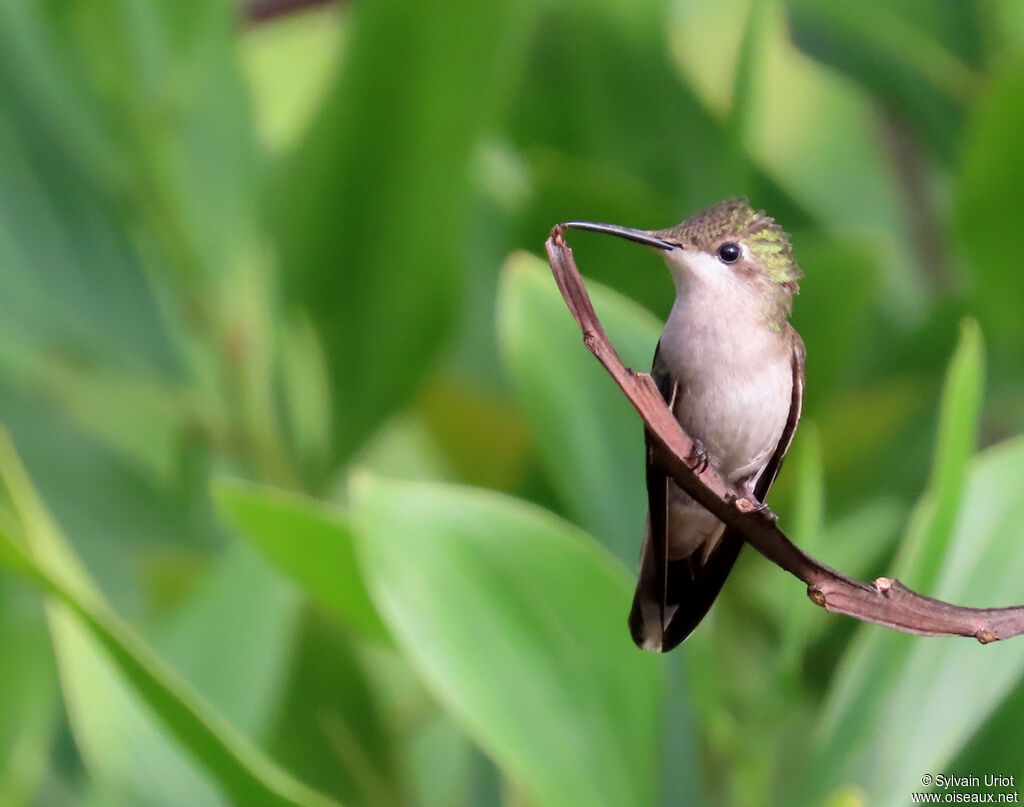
884, 602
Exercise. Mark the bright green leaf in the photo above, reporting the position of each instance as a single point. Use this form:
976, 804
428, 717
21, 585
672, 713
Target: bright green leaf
516, 621
309, 541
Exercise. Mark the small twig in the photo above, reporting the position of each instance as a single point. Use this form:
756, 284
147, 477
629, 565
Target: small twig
884, 602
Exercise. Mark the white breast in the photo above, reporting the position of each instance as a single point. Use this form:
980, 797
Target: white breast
735, 372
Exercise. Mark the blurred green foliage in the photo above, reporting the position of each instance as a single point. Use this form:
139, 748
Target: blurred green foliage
312, 495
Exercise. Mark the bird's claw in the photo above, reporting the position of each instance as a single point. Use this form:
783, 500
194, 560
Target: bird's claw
698, 459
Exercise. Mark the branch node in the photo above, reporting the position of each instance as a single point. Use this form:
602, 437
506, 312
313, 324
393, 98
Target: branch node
744, 505
817, 596
985, 635
590, 339
883, 585
747, 506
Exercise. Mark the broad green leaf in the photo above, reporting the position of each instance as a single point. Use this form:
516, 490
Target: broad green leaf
373, 204
588, 436
309, 541
243, 772
516, 621
874, 667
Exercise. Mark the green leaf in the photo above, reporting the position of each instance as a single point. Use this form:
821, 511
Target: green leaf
245, 774
588, 436
988, 210
875, 667
918, 57
857, 542
638, 146
27, 700
129, 756
807, 527
945, 689
116, 511
232, 637
70, 277
750, 56
228, 638
516, 621
289, 66
924, 548
309, 541
332, 727
375, 199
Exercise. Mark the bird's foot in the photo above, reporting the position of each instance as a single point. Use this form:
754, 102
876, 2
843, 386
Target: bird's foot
698, 459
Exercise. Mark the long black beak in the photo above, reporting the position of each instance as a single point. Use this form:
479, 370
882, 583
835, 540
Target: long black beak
639, 236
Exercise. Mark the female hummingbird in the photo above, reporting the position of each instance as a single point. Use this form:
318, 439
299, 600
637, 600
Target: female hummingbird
731, 368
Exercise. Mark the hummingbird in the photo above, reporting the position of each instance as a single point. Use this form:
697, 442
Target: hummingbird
731, 368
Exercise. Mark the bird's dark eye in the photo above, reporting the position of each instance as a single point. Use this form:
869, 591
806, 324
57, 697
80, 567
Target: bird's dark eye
729, 252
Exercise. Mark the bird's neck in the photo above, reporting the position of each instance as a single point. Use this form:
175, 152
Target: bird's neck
712, 328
